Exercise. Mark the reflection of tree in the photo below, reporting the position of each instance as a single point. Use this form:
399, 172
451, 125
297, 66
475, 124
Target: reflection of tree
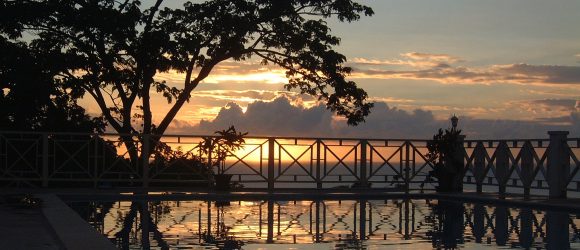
146, 225
122, 236
157, 236
448, 232
351, 242
93, 212
222, 238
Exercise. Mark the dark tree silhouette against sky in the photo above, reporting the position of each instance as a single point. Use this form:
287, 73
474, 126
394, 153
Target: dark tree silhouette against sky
31, 97
112, 50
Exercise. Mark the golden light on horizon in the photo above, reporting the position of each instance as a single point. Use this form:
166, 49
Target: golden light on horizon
226, 74
270, 76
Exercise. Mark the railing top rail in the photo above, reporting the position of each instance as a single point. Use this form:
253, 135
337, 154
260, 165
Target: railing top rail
277, 137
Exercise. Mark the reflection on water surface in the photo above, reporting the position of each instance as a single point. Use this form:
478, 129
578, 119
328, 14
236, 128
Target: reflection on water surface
331, 224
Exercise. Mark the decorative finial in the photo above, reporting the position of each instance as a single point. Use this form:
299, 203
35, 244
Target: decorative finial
454, 121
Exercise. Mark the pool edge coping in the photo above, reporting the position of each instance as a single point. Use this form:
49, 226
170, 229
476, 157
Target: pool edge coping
71, 230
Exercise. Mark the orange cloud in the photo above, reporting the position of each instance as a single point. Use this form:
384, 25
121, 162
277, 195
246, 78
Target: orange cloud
413, 59
233, 72
440, 68
512, 73
431, 57
276, 76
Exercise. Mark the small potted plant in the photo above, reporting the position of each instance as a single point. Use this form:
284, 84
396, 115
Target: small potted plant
172, 163
447, 158
216, 149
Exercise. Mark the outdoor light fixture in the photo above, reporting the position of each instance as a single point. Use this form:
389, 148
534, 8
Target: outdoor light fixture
454, 121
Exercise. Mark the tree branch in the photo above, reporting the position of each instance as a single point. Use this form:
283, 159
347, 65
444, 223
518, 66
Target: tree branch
149, 21
184, 95
103, 106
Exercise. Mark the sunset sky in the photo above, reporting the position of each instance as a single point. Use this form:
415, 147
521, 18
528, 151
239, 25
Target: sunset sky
506, 68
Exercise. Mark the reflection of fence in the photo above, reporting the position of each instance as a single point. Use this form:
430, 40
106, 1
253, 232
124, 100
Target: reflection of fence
43, 159
443, 224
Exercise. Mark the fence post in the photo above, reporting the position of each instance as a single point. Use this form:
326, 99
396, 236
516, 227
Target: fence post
145, 158
44, 159
460, 158
407, 166
502, 166
210, 163
95, 139
271, 144
558, 164
318, 180
479, 166
527, 167
363, 164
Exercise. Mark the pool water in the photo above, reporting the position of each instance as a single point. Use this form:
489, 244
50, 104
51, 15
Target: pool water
328, 224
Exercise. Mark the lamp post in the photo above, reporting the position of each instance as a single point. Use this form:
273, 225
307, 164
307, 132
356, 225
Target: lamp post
454, 121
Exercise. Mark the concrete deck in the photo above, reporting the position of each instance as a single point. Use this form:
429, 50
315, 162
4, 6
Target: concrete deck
25, 228
53, 225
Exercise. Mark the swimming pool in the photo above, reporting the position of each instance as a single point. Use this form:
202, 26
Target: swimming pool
327, 224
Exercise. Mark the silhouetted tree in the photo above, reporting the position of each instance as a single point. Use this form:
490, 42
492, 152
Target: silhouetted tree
31, 97
114, 49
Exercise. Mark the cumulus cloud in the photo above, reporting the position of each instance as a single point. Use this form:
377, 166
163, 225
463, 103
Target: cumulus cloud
441, 68
278, 117
235, 95
249, 96
281, 118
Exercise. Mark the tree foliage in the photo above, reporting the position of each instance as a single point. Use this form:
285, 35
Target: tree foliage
443, 146
217, 148
32, 99
446, 153
112, 50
